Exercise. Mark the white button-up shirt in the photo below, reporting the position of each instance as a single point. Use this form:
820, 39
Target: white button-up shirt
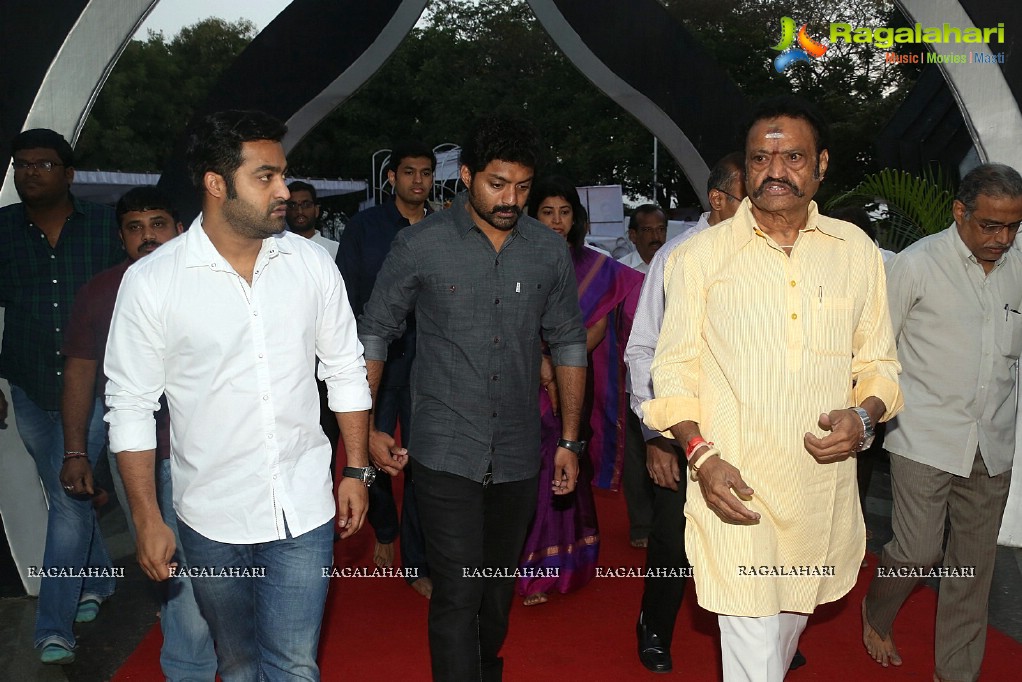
959, 336
237, 364
649, 315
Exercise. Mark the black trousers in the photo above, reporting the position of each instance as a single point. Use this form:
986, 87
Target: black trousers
471, 531
661, 597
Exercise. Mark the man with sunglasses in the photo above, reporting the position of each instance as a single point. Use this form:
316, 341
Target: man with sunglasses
954, 299
50, 245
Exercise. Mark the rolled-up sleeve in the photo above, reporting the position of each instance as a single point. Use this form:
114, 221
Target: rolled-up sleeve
134, 366
341, 364
393, 298
562, 324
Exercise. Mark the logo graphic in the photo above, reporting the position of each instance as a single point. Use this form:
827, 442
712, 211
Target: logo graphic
807, 46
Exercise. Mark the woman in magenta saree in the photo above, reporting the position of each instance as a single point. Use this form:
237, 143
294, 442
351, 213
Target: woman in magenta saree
564, 534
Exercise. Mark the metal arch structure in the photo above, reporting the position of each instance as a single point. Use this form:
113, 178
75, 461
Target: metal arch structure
985, 94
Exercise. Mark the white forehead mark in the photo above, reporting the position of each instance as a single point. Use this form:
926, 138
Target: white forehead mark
775, 136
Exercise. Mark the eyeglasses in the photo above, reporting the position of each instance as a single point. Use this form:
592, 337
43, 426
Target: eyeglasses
728, 195
45, 166
652, 230
990, 229
300, 204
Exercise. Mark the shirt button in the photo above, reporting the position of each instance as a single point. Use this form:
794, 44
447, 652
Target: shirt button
54, 304
57, 329
792, 282
54, 281
53, 256
260, 355
794, 316
266, 397
496, 301
494, 414
255, 313
494, 377
269, 436
58, 373
496, 339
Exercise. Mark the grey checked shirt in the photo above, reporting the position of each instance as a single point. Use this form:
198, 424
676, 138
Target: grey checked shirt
480, 317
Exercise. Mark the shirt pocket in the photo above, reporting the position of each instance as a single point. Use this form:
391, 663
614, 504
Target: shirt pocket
831, 330
455, 307
1009, 338
526, 301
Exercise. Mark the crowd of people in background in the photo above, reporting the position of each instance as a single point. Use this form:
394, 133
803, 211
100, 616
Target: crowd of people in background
734, 382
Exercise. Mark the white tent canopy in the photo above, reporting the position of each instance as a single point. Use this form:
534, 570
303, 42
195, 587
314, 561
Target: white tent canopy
106, 187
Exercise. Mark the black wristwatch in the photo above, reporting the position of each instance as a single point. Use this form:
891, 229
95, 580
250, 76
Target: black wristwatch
576, 446
365, 474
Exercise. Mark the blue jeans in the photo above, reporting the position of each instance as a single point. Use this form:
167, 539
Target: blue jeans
73, 540
187, 653
265, 628
393, 403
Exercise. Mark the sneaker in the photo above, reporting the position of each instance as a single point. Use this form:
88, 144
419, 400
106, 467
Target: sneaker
57, 654
88, 609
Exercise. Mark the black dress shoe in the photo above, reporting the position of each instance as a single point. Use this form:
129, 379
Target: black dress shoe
654, 653
797, 661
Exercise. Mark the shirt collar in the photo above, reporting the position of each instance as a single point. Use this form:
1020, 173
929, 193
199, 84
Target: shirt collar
200, 252
963, 250
743, 225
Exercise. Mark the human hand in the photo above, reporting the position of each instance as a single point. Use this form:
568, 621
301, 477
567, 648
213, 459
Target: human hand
352, 505
76, 476
662, 463
565, 471
846, 431
156, 549
385, 454
717, 478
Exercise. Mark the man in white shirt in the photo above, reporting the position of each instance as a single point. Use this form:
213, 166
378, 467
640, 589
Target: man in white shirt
657, 462
227, 321
647, 229
954, 299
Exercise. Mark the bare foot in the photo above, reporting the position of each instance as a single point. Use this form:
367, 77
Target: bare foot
424, 586
881, 650
383, 554
640, 543
534, 599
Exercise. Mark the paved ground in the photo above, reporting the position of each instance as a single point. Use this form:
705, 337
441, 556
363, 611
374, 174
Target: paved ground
127, 617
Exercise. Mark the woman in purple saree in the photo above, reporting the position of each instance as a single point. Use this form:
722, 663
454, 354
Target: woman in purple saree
564, 534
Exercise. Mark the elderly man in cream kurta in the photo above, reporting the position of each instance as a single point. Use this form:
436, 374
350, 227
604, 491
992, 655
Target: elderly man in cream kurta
777, 350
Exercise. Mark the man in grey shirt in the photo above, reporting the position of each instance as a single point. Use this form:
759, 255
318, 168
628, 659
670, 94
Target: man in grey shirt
488, 287
955, 298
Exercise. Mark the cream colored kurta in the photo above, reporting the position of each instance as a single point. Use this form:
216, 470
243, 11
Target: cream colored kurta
755, 346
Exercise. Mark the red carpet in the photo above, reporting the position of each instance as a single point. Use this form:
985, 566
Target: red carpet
375, 629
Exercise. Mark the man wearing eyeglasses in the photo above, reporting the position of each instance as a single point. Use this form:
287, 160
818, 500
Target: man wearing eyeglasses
51, 244
647, 229
303, 214
954, 299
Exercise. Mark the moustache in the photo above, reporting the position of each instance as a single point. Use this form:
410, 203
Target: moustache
504, 209
148, 246
778, 181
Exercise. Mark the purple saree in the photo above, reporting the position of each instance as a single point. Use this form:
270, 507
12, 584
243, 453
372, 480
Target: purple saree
564, 533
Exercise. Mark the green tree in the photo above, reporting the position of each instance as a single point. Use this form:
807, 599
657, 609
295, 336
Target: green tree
151, 93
